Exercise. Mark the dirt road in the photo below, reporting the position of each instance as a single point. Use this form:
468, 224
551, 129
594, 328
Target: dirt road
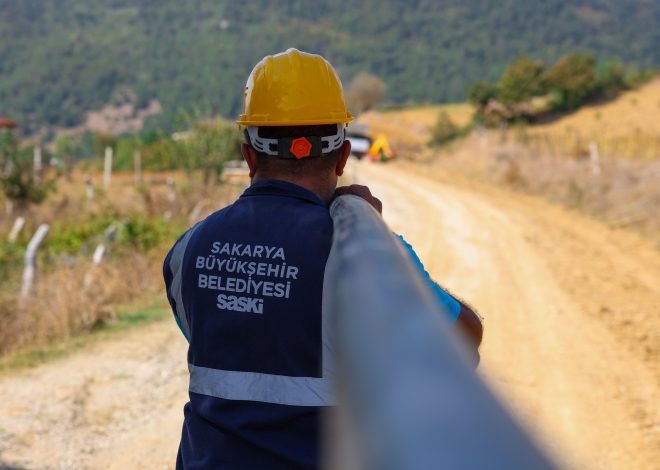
116, 405
571, 313
545, 282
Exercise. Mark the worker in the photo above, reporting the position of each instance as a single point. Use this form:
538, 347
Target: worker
246, 283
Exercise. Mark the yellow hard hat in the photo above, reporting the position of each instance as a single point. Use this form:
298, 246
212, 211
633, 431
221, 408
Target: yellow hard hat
293, 88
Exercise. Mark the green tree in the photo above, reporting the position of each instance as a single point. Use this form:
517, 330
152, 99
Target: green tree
161, 155
126, 148
571, 80
69, 149
364, 92
480, 93
611, 77
521, 81
101, 140
209, 146
18, 181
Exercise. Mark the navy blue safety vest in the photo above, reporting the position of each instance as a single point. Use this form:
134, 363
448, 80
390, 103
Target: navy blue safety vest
246, 287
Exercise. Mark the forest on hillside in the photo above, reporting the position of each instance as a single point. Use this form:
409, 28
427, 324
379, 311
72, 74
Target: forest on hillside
60, 58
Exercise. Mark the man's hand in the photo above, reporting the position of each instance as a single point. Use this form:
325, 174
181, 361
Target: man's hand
469, 324
363, 192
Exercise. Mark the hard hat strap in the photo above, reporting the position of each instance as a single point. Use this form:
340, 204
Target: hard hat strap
288, 147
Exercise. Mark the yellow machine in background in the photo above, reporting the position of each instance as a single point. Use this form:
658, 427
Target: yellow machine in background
363, 145
380, 149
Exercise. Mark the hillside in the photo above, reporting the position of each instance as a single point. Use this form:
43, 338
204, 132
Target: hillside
61, 58
626, 126
409, 129
627, 122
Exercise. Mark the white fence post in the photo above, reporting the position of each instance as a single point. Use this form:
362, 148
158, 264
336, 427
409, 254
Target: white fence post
171, 185
37, 162
107, 167
197, 211
137, 165
108, 237
31, 259
19, 223
594, 158
89, 189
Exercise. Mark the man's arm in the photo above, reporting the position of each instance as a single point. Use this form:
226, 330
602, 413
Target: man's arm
461, 314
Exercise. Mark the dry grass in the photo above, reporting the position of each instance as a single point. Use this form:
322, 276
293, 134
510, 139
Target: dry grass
623, 193
409, 130
552, 160
71, 300
628, 126
71, 296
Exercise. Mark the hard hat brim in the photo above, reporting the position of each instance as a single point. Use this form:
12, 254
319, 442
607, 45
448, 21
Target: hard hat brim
244, 121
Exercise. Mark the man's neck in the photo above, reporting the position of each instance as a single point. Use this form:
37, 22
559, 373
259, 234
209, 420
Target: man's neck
324, 190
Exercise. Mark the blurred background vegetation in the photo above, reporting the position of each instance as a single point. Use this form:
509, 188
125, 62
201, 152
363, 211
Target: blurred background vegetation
159, 82
188, 55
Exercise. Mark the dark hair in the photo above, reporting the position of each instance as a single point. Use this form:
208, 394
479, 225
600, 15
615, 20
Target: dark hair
272, 164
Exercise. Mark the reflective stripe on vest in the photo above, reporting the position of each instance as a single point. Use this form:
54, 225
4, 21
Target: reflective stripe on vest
175, 289
253, 386
279, 389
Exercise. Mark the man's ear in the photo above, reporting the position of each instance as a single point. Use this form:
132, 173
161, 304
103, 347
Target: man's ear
343, 157
250, 157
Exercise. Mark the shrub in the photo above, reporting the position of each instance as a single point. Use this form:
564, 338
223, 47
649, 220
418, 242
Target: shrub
146, 234
126, 148
611, 77
521, 81
18, 181
209, 147
480, 93
364, 92
444, 130
571, 80
101, 140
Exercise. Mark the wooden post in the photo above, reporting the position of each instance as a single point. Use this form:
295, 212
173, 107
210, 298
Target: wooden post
89, 189
9, 206
171, 195
31, 260
549, 144
109, 236
137, 164
107, 168
197, 211
37, 162
19, 223
594, 158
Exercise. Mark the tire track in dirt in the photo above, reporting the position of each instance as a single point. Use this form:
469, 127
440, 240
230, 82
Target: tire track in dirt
591, 401
115, 405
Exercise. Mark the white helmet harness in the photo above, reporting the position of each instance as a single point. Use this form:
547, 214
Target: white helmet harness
296, 147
